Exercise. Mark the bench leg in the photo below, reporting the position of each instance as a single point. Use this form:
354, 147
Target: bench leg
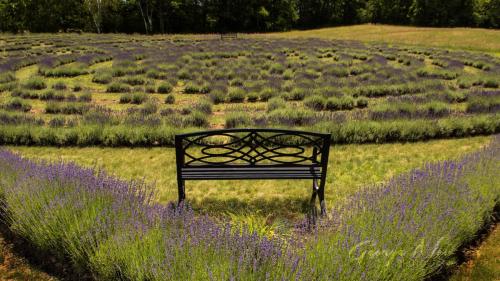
314, 213
314, 192
181, 191
321, 195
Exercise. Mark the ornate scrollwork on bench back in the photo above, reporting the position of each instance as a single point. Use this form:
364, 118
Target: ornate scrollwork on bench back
252, 147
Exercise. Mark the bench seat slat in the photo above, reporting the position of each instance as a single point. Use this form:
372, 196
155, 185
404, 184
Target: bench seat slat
255, 172
252, 173
248, 172
254, 176
244, 168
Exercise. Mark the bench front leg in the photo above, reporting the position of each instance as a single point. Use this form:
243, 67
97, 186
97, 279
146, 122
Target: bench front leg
181, 190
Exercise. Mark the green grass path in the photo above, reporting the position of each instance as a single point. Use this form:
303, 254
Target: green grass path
351, 167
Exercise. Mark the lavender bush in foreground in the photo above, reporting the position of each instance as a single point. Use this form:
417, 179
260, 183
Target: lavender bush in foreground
406, 229
112, 229
410, 227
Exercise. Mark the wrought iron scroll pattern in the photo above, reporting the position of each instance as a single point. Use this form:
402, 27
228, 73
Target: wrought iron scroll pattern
253, 148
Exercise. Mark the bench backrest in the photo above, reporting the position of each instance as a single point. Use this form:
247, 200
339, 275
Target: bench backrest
234, 148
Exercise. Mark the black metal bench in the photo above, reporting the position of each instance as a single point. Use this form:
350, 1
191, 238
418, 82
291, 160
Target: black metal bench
253, 154
228, 36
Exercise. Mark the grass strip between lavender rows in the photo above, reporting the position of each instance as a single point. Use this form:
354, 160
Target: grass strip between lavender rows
406, 229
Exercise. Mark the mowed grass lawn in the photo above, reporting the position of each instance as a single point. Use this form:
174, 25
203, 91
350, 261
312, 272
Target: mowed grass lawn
350, 167
472, 39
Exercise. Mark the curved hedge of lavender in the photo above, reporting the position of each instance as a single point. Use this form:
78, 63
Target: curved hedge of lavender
406, 229
360, 131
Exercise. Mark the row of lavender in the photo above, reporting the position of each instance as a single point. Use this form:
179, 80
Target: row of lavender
134, 132
406, 229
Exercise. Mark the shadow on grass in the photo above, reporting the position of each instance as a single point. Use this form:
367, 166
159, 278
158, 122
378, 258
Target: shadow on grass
287, 208
464, 252
58, 266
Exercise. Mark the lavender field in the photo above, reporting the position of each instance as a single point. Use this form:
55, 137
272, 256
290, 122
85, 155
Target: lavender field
118, 90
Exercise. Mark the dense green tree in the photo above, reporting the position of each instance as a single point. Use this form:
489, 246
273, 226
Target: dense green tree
442, 13
314, 13
41, 15
492, 14
487, 13
12, 15
173, 16
317, 13
388, 11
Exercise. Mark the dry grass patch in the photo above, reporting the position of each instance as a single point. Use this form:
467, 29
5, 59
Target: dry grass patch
474, 39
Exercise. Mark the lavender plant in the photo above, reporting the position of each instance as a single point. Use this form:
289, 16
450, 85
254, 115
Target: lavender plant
411, 227
114, 230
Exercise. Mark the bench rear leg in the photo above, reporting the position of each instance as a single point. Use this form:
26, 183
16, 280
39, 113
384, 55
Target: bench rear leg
313, 210
321, 195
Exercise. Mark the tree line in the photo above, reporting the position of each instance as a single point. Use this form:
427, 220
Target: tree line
200, 16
